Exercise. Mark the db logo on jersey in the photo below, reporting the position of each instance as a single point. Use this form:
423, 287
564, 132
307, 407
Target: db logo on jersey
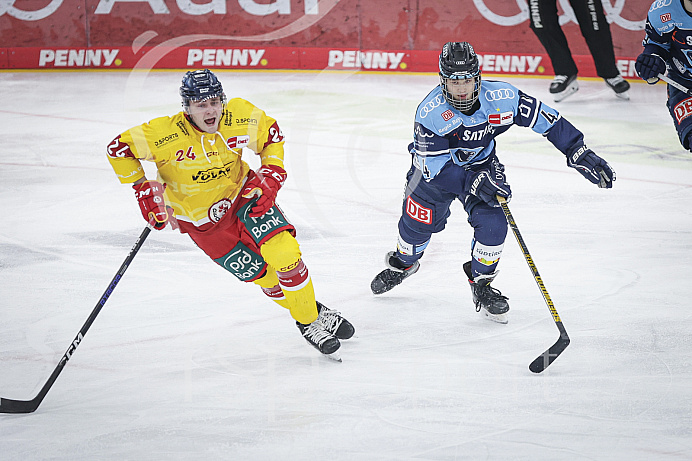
418, 212
683, 109
666, 17
447, 115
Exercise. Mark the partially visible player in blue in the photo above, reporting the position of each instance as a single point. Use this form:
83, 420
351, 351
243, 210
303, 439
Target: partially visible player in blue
668, 45
454, 158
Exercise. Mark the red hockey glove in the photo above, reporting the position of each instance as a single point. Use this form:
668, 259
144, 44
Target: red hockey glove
265, 182
150, 197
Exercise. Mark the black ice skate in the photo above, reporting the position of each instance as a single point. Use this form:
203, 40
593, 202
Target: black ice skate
334, 323
395, 273
620, 86
487, 299
563, 86
318, 337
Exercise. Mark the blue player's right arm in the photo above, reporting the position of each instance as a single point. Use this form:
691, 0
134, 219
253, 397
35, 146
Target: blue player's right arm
540, 117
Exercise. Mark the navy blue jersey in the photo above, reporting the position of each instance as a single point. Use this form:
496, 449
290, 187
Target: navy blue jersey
669, 35
443, 134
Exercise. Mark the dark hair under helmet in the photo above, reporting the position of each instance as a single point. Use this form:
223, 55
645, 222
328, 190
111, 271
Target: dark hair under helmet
459, 61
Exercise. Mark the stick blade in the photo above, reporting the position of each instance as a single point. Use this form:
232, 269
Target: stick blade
545, 359
18, 406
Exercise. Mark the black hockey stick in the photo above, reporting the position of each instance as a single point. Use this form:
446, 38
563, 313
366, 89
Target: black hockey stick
29, 406
545, 359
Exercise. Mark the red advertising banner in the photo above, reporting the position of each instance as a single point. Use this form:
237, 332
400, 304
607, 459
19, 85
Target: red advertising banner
163, 57
393, 35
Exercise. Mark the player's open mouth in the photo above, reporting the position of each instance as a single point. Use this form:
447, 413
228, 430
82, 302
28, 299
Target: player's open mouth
210, 121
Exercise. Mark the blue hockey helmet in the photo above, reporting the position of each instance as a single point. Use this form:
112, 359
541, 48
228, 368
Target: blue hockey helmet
458, 61
200, 85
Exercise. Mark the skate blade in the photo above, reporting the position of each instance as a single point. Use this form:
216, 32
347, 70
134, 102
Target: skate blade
499, 318
569, 91
336, 356
624, 95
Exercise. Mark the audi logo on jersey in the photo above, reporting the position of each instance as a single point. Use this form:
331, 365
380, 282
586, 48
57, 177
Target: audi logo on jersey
431, 105
497, 95
660, 4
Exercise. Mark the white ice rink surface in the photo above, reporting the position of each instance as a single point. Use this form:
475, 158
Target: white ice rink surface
186, 363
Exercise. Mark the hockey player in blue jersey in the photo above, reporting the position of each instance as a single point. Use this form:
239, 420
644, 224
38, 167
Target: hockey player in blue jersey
668, 46
453, 157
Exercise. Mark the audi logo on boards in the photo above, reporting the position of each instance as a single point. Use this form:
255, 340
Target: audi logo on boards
7, 6
497, 95
612, 8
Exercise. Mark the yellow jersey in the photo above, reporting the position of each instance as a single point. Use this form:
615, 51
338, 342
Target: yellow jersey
200, 169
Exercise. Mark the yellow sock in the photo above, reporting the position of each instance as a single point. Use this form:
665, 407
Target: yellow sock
283, 252
270, 286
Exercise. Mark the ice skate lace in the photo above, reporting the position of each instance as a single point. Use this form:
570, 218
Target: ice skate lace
490, 294
331, 320
316, 333
560, 78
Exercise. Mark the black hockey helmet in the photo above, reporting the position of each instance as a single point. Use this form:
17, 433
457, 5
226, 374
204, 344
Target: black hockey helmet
458, 61
200, 85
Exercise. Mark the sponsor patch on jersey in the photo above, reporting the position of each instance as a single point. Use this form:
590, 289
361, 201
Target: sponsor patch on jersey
418, 212
243, 263
447, 115
219, 209
246, 121
227, 118
683, 110
166, 139
211, 174
404, 247
183, 128
238, 142
263, 227
666, 17
504, 118
486, 254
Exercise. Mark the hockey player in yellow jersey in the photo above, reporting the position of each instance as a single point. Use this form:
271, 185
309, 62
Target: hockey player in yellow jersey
206, 190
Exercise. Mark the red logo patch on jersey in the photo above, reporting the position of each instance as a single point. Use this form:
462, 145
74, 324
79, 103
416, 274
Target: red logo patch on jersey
683, 110
119, 149
237, 142
447, 115
665, 17
505, 118
418, 212
219, 209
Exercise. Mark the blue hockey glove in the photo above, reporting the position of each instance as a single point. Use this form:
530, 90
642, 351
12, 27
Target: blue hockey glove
648, 66
592, 167
489, 182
